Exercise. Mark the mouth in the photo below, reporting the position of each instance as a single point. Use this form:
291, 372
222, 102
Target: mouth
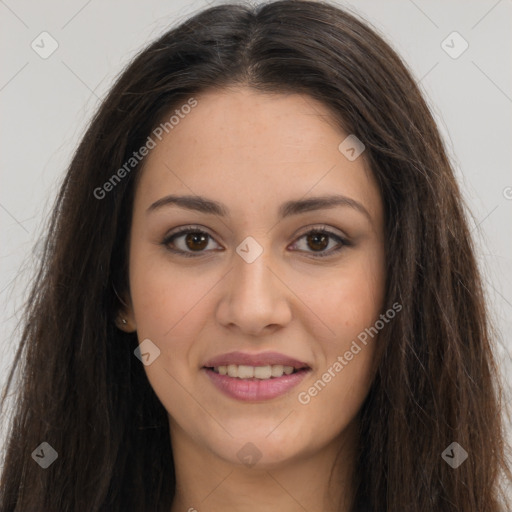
255, 377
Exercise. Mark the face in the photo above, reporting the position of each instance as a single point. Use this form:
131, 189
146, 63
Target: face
253, 276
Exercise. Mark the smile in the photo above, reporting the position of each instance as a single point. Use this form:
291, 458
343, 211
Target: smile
270, 375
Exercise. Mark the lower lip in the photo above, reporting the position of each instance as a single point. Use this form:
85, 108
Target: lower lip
255, 390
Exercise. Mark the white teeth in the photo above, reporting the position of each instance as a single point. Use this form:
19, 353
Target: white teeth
246, 372
277, 370
259, 372
262, 372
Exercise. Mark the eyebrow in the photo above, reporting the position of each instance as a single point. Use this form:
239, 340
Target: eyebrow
287, 209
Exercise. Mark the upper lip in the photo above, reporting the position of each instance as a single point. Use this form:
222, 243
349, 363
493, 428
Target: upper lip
261, 359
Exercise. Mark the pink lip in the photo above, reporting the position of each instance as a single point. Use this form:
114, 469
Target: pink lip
255, 390
262, 359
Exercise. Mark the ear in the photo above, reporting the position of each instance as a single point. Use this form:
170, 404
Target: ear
125, 319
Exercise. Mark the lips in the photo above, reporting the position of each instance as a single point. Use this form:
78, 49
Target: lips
261, 387
263, 359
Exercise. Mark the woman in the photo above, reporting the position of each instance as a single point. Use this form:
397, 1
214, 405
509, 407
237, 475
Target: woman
258, 289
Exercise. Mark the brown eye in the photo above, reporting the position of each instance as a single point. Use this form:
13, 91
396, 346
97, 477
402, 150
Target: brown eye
196, 241
320, 242
317, 241
189, 241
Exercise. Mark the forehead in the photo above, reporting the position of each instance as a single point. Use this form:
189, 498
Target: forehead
248, 147
266, 127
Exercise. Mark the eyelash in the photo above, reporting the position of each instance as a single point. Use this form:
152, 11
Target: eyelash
197, 230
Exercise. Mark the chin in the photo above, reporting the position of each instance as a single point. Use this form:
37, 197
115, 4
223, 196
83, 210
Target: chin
259, 449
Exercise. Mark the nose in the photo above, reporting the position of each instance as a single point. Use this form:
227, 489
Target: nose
255, 299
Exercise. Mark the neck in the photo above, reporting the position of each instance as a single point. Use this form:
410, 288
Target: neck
312, 482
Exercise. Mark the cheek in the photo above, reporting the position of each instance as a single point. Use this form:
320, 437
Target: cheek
165, 297
332, 401
170, 308
348, 304
347, 299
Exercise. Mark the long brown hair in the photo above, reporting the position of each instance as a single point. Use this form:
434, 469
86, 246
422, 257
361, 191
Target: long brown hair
83, 392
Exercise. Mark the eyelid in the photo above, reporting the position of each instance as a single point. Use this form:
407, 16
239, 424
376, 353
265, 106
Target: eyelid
183, 229
321, 228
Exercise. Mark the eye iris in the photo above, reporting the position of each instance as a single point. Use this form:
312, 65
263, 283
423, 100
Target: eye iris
196, 241
318, 241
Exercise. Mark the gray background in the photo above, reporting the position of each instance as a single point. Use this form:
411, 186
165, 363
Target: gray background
46, 104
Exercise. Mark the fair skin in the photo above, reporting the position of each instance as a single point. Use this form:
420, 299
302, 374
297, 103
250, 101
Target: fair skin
252, 152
